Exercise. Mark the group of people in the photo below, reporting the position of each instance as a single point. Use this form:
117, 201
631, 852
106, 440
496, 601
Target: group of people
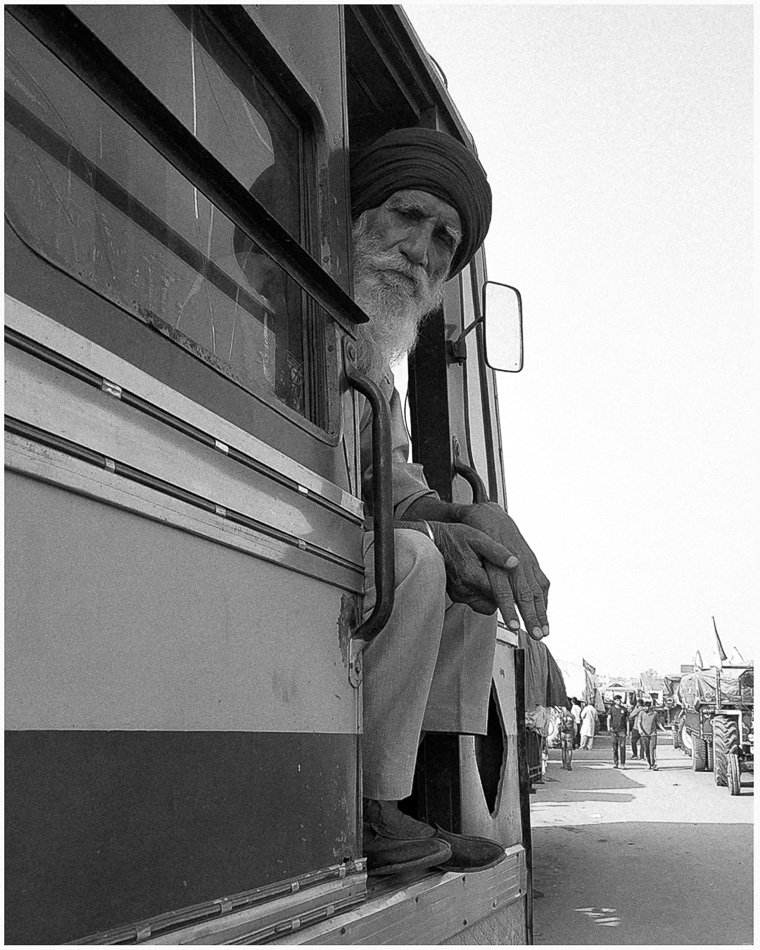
577, 727
641, 723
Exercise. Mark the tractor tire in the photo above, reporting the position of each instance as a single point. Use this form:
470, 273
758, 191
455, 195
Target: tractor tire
698, 754
710, 757
725, 743
734, 772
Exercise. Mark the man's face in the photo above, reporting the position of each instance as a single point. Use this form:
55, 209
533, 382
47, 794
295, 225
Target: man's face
422, 233
403, 250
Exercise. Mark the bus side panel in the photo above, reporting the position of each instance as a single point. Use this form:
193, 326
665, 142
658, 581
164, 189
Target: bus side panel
112, 827
492, 808
181, 725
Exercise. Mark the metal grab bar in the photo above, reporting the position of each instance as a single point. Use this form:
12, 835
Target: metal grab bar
476, 483
382, 496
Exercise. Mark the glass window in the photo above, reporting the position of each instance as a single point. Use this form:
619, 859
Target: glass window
86, 192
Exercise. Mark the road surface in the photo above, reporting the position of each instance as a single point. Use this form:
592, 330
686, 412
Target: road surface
640, 857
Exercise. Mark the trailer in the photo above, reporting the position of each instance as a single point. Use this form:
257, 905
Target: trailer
184, 514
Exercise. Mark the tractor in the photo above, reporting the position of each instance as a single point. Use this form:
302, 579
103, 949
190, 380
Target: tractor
716, 722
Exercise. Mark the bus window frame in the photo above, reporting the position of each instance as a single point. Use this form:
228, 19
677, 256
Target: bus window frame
88, 58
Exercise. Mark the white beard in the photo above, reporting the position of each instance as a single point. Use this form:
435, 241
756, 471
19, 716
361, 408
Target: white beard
395, 304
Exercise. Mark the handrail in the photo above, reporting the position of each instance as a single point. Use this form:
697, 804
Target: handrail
382, 496
78, 48
476, 483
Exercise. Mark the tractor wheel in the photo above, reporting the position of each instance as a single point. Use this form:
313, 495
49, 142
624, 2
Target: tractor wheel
725, 742
698, 754
734, 772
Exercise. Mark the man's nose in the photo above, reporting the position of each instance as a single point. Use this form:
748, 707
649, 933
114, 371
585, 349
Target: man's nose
416, 246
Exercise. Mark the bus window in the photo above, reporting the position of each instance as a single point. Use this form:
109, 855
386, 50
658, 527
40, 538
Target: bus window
90, 196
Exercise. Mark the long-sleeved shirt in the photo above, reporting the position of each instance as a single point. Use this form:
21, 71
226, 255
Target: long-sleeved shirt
409, 482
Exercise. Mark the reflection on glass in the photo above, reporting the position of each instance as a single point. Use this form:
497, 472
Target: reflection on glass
91, 196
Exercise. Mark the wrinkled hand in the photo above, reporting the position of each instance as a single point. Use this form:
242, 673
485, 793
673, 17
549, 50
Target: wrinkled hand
528, 583
468, 554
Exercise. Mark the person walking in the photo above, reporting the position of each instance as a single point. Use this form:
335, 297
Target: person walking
649, 722
575, 710
588, 727
636, 751
618, 720
567, 738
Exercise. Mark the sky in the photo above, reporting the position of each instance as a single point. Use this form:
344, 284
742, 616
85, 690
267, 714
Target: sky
618, 144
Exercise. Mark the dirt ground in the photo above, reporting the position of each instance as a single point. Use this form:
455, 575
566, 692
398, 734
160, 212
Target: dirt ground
638, 856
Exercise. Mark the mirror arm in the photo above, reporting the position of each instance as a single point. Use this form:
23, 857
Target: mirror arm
457, 348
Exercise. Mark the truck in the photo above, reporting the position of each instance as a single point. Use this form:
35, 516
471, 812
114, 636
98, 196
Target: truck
184, 509
715, 725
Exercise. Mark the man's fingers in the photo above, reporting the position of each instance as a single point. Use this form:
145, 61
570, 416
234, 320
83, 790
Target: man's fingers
531, 604
502, 592
492, 551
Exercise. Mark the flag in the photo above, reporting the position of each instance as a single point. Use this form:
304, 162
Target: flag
721, 652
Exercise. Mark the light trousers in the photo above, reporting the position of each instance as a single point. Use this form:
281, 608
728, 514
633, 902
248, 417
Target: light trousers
429, 669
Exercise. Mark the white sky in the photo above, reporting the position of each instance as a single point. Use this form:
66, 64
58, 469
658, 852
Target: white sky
618, 144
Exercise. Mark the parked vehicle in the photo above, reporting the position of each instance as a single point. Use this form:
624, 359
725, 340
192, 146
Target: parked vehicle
716, 723
184, 519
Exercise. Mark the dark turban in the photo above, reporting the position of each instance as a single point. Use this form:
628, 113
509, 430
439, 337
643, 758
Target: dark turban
425, 160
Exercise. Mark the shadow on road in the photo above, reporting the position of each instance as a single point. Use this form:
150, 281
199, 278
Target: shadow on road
640, 857
643, 883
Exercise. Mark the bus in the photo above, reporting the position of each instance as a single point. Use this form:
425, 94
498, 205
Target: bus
184, 512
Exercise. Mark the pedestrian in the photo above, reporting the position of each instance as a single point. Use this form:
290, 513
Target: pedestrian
636, 751
618, 720
575, 709
588, 727
649, 723
567, 738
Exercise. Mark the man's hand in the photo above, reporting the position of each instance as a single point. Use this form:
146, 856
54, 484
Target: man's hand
529, 584
471, 557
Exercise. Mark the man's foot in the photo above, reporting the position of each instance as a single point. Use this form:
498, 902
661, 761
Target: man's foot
655, 768
398, 855
395, 842
622, 767
616, 766
569, 768
469, 852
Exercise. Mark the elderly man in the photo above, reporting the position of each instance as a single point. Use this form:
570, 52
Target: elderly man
422, 207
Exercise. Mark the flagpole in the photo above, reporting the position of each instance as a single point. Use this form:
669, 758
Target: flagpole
722, 656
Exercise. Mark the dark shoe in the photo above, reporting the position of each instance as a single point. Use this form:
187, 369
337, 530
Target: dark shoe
616, 766
395, 842
397, 855
569, 768
469, 852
